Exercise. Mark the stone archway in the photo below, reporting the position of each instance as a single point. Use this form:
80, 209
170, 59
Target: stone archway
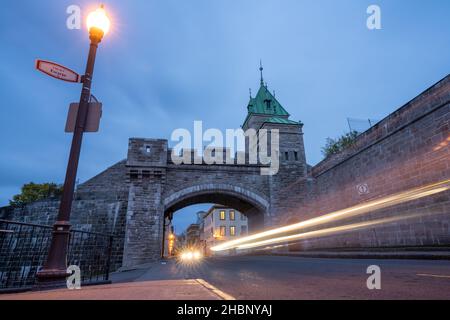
149, 203
253, 205
157, 187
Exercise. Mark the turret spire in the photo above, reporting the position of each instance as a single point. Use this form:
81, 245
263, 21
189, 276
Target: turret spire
261, 70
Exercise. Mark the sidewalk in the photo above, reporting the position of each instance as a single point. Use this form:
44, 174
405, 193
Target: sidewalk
195, 289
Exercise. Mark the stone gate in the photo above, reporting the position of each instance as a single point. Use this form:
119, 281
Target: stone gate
158, 187
409, 148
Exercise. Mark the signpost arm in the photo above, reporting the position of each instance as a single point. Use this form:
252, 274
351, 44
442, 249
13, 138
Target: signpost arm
54, 271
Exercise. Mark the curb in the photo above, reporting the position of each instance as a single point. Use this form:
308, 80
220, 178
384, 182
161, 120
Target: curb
220, 293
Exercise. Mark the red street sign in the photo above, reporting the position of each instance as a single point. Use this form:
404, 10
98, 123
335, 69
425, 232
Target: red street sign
57, 71
93, 117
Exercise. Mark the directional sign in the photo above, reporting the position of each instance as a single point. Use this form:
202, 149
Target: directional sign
57, 71
93, 117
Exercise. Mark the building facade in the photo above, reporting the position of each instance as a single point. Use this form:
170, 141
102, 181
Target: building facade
193, 235
223, 224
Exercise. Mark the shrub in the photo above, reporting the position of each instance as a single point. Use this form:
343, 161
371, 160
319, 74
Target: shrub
31, 192
333, 146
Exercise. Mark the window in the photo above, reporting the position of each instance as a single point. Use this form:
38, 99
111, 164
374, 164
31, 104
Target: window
243, 230
232, 215
296, 155
232, 231
223, 231
242, 217
286, 155
148, 149
222, 214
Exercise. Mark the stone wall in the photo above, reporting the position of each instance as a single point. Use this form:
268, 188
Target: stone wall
292, 168
100, 205
408, 149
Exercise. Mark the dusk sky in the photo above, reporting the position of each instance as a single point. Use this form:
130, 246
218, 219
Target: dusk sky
167, 63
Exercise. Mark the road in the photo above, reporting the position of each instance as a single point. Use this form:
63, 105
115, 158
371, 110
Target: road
280, 277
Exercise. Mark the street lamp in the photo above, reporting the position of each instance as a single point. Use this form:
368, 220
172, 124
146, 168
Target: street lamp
54, 271
98, 21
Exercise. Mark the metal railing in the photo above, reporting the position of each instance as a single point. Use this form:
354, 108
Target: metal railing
24, 248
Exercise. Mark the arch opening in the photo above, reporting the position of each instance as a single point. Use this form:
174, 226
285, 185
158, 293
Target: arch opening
250, 205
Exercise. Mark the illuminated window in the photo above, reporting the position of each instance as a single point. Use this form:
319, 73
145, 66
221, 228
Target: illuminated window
232, 231
232, 215
223, 231
222, 214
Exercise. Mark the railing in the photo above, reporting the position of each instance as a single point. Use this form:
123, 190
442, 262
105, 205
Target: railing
24, 248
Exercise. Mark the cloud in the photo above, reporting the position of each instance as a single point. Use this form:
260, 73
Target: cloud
168, 63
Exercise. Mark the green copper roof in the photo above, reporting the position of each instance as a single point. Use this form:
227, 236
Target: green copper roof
281, 121
265, 103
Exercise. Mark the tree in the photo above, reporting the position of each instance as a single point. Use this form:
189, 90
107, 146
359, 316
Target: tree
31, 192
333, 146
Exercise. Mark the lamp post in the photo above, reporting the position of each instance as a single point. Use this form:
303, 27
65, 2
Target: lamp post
54, 271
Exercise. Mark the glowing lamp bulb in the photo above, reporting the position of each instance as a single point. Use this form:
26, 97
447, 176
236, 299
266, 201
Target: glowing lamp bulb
99, 20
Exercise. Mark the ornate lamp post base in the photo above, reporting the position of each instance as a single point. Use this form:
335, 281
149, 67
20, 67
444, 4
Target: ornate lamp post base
51, 279
54, 272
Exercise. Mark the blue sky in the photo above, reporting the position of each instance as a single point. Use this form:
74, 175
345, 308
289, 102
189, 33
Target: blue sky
168, 63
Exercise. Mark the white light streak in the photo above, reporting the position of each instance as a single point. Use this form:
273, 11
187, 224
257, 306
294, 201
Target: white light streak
325, 232
357, 210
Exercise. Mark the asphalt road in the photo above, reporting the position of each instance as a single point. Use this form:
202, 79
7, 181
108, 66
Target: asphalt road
279, 277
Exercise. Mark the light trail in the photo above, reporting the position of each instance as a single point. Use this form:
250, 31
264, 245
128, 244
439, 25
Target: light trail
357, 210
324, 232
273, 247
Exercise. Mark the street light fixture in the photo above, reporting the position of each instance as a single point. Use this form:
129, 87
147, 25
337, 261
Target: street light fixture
54, 271
98, 21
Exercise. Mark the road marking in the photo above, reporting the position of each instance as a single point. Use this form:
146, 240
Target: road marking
433, 275
218, 292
